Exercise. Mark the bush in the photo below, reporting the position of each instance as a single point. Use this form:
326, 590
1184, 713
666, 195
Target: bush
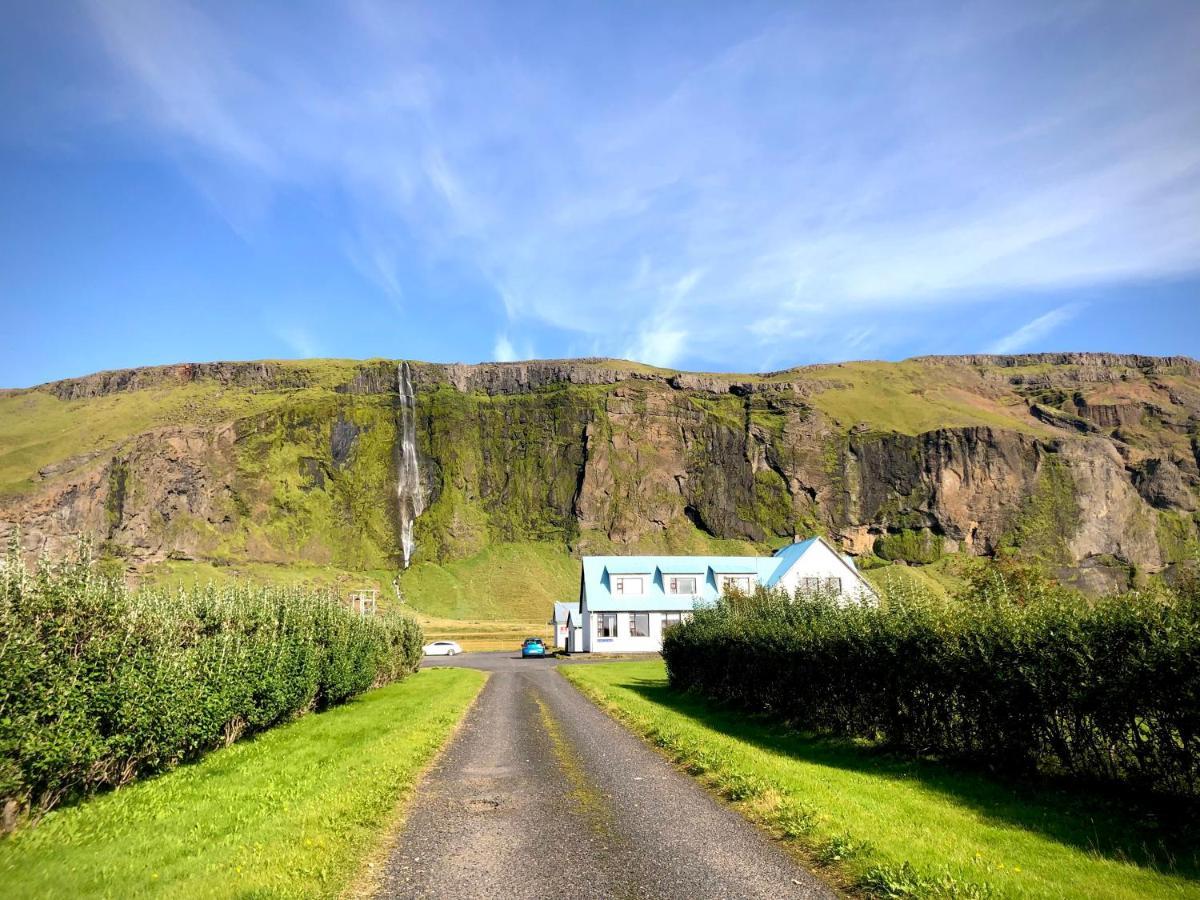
1107, 691
99, 686
922, 547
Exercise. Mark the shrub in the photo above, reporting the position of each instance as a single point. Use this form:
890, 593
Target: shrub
1106, 691
909, 545
99, 686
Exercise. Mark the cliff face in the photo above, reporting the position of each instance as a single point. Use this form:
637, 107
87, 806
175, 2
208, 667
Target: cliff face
1087, 462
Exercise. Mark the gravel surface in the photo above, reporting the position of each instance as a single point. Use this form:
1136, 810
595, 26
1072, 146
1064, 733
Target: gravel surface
542, 795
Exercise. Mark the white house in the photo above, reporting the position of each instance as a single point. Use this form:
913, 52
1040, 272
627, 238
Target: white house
625, 602
561, 623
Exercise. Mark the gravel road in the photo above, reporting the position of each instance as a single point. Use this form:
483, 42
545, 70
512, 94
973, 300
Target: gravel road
542, 795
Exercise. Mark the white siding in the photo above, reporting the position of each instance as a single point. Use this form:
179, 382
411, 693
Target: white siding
624, 642
821, 562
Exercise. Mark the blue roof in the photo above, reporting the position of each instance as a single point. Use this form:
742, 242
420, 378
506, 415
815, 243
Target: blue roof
788, 555
659, 569
562, 610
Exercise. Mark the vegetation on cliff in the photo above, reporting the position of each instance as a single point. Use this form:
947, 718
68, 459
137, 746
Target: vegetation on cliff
1086, 462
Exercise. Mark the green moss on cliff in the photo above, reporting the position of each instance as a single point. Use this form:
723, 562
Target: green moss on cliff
1178, 536
772, 507
508, 466
114, 502
910, 545
348, 518
1049, 517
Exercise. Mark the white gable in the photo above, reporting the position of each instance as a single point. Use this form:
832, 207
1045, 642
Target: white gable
818, 565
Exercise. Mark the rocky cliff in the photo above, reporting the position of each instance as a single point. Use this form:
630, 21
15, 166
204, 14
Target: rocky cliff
1088, 462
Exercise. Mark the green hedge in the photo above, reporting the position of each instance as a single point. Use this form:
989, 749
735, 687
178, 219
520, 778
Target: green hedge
1107, 691
99, 686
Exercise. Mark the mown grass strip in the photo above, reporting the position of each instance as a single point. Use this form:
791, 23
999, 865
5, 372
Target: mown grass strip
288, 814
898, 827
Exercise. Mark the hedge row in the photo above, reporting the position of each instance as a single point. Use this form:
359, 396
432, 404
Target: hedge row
99, 686
1106, 691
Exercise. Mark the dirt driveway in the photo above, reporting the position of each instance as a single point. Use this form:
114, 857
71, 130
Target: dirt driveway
542, 795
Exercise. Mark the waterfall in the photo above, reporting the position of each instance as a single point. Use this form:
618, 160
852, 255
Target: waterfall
408, 477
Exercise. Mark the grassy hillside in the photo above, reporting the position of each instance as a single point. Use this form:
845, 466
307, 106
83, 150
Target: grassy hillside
911, 397
38, 429
503, 582
286, 470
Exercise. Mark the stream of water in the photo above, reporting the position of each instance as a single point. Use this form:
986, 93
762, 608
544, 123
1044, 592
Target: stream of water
408, 481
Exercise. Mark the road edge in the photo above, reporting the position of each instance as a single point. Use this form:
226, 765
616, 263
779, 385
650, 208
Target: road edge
372, 868
828, 875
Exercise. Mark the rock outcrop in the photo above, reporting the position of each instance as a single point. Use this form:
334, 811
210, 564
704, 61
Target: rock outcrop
1090, 462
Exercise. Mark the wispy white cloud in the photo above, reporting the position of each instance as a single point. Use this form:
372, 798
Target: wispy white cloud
503, 350
298, 340
761, 180
1034, 331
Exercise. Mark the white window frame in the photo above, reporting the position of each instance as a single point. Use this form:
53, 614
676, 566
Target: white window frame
600, 620
621, 585
673, 585
728, 581
633, 617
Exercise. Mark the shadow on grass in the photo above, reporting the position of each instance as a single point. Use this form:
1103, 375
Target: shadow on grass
1153, 833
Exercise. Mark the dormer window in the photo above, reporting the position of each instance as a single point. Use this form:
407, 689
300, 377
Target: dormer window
741, 583
681, 584
629, 585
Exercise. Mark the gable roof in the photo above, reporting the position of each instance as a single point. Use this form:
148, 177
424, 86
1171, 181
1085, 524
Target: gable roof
793, 552
598, 572
563, 610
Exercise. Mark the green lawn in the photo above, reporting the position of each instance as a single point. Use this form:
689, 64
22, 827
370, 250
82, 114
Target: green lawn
291, 813
918, 828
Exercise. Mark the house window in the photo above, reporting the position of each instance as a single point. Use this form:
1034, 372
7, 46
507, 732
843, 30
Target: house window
671, 619
606, 625
738, 583
681, 584
810, 585
627, 586
833, 585
639, 624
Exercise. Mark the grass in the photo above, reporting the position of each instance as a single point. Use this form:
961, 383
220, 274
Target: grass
504, 630
36, 428
517, 582
291, 813
912, 397
943, 578
895, 826
485, 634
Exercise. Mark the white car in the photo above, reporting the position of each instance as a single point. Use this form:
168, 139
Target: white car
442, 648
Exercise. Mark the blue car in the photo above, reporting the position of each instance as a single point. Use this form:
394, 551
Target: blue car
533, 647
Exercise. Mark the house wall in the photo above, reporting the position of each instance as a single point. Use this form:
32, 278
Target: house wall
821, 562
745, 581
624, 642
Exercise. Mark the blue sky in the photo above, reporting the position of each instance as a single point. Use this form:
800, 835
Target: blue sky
715, 186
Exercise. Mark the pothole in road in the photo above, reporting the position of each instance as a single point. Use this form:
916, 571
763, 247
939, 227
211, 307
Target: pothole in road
482, 804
